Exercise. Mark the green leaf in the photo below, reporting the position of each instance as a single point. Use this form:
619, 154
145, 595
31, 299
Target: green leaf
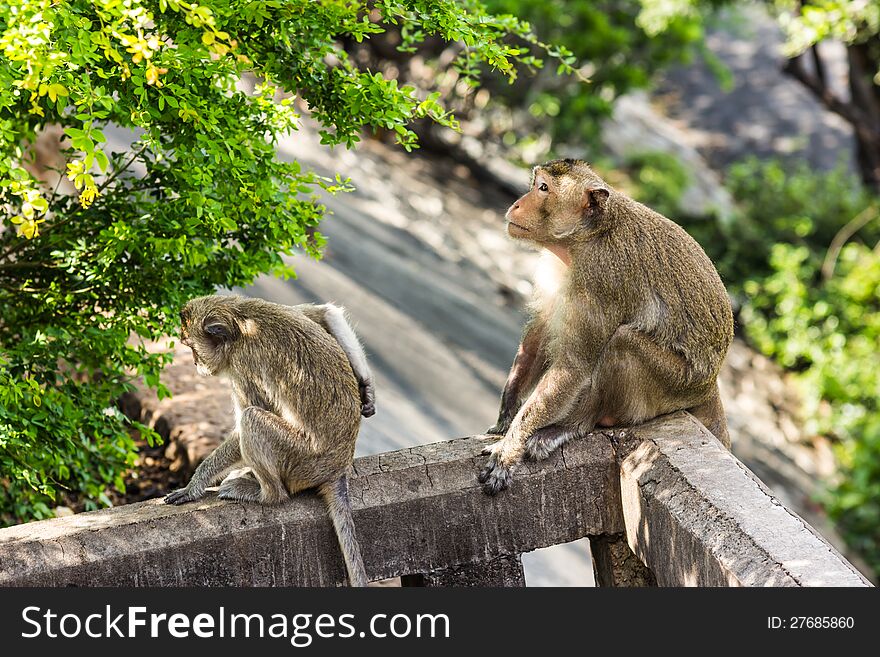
102, 160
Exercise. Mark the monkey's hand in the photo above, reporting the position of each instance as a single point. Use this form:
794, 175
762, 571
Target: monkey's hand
496, 476
183, 495
368, 398
498, 472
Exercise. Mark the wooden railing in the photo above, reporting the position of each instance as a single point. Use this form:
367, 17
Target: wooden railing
662, 503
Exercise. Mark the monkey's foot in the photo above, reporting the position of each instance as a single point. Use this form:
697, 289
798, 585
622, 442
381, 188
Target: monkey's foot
495, 477
240, 489
544, 442
181, 496
500, 428
536, 449
368, 399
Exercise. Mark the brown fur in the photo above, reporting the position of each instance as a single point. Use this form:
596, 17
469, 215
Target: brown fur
635, 324
297, 407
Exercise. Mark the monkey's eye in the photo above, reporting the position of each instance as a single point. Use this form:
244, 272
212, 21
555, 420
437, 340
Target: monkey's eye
543, 187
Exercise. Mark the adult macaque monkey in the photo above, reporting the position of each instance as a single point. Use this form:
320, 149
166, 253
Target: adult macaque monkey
630, 321
300, 383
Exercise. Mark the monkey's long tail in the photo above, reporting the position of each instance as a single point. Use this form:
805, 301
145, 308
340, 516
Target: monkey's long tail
335, 494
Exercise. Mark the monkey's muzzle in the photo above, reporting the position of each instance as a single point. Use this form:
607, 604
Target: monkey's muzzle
514, 228
186, 342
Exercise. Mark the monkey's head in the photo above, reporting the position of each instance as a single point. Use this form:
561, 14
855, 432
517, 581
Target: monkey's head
566, 202
210, 327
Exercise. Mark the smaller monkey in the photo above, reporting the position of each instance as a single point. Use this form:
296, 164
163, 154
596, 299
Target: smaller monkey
630, 321
300, 382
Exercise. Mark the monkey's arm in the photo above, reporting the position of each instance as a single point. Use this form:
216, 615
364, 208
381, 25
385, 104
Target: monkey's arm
332, 318
550, 402
526, 365
211, 470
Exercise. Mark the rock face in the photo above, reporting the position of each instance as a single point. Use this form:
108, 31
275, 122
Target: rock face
764, 112
636, 127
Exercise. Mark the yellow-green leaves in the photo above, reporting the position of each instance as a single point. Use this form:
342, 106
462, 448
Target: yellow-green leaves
32, 207
33, 204
27, 227
187, 114
78, 171
75, 169
78, 174
54, 90
152, 75
140, 47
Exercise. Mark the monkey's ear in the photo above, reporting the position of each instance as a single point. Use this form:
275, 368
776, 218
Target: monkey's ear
595, 199
217, 329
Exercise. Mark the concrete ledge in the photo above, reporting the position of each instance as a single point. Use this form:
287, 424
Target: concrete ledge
417, 510
667, 490
698, 517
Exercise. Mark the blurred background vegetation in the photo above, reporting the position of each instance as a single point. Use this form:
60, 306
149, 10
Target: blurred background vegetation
799, 249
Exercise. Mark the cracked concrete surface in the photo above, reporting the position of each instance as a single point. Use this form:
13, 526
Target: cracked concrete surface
417, 510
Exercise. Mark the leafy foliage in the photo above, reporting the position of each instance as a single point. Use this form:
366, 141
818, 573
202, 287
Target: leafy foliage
825, 327
659, 181
614, 45
829, 330
622, 44
848, 21
856, 24
198, 200
779, 203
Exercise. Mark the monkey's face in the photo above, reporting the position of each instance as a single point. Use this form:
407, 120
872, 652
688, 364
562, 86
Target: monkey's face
526, 217
564, 197
187, 340
209, 328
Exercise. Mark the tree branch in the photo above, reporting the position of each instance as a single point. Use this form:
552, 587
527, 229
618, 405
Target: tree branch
853, 226
852, 113
819, 65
